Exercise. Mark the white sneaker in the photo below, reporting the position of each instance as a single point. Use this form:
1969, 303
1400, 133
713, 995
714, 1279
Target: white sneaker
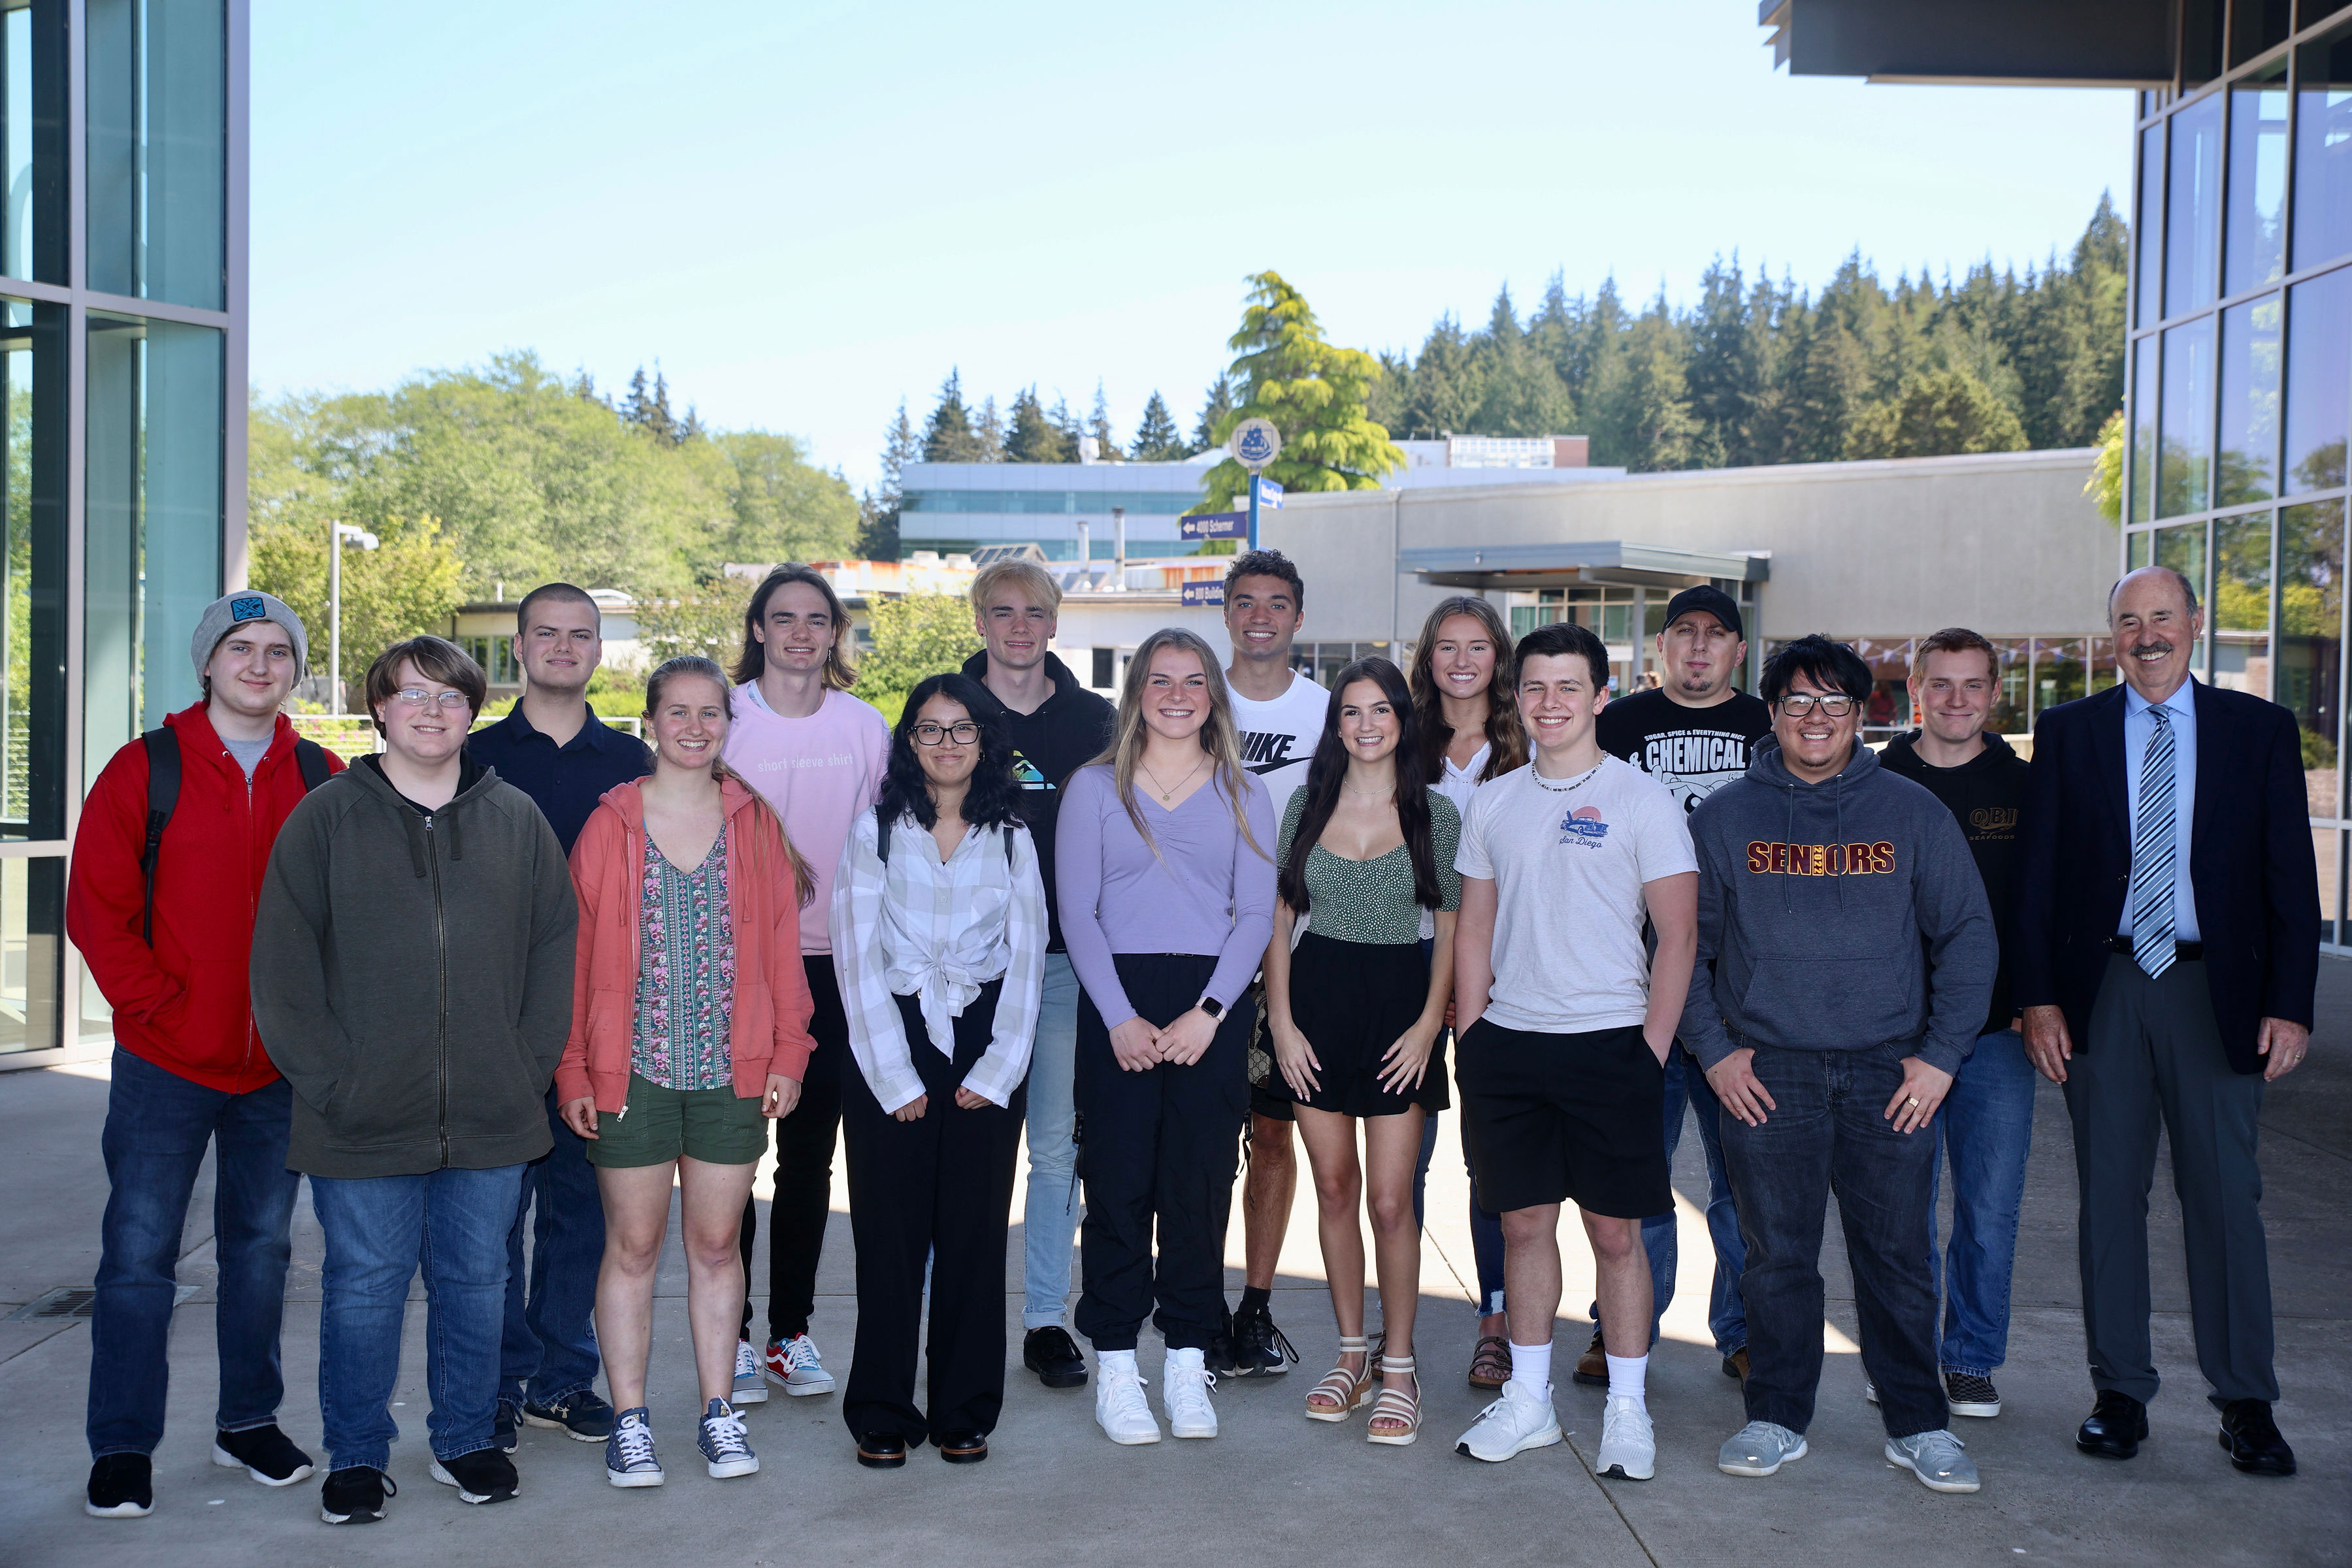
1120, 1409
749, 1389
794, 1366
1184, 1384
1628, 1449
1512, 1424
1758, 1449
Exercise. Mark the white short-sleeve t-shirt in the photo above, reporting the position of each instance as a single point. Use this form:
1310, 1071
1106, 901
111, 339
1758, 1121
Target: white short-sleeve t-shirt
1278, 738
1569, 858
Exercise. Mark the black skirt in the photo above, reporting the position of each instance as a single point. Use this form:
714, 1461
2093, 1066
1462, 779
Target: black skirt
1351, 1000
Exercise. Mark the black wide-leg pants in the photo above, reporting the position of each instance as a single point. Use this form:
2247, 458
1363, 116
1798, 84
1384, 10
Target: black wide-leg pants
937, 1189
1158, 1146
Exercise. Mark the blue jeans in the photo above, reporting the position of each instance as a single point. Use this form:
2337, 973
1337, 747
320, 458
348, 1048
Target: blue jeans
1049, 1220
380, 1230
1486, 1229
157, 1126
550, 1347
1828, 1130
1726, 1315
1988, 1130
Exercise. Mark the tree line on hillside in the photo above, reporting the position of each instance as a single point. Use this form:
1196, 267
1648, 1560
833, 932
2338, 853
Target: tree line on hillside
511, 474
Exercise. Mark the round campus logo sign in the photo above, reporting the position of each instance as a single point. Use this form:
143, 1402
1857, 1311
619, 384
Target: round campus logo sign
1256, 443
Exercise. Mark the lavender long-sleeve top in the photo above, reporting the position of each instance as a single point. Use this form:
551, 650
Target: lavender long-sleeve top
1208, 892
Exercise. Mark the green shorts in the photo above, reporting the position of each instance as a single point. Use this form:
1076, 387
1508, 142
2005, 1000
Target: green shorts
715, 1126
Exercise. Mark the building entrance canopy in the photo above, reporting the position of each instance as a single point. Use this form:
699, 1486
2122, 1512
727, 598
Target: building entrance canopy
1611, 560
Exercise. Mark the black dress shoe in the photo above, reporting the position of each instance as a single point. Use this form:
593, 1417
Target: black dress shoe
2252, 1439
1052, 1355
963, 1447
2117, 1424
881, 1450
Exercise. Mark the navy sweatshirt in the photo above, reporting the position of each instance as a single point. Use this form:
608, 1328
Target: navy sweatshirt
1836, 917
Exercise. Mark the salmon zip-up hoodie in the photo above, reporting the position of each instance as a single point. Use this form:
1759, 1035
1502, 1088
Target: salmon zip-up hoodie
770, 1027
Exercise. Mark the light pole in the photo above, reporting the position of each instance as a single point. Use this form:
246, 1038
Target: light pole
338, 532
1118, 547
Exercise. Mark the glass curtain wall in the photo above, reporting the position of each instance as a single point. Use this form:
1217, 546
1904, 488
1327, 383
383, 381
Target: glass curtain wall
2241, 377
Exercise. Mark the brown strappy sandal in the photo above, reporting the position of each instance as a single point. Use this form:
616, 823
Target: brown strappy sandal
1490, 1364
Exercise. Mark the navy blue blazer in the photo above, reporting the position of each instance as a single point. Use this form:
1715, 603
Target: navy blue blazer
2250, 864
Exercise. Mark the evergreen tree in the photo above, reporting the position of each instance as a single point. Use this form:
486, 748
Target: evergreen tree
648, 408
1099, 425
988, 431
1214, 409
1313, 391
1156, 440
1033, 438
878, 511
949, 436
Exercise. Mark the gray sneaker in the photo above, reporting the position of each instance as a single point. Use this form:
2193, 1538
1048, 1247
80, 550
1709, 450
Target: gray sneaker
1937, 1459
1760, 1448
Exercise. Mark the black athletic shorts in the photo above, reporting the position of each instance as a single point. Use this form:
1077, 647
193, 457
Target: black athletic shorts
1564, 1119
1269, 1095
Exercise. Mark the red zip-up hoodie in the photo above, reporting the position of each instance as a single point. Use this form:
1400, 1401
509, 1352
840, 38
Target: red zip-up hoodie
183, 1003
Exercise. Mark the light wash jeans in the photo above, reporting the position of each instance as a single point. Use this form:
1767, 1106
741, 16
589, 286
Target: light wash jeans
1049, 1224
1987, 1132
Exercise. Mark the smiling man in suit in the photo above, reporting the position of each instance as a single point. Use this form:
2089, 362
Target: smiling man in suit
2168, 948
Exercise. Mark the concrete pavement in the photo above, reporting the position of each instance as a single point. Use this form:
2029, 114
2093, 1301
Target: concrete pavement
1275, 1487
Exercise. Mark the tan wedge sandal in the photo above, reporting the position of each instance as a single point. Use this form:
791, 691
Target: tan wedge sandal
1396, 1405
1342, 1392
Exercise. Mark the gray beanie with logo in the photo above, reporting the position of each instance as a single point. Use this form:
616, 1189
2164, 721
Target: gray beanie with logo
224, 614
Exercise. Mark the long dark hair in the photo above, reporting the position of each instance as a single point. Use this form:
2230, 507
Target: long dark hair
1329, 772
993, 798
1507, 737
840, 673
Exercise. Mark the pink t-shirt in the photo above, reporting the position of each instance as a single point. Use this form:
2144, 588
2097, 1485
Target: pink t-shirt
818, 773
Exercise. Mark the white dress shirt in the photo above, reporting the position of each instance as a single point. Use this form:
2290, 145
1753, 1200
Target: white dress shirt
2181, 708
1456, 784
938, 931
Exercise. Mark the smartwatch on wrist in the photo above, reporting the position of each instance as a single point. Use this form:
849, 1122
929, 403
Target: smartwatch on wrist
1213, 1008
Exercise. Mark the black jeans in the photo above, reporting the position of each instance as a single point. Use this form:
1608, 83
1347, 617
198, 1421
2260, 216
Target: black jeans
1829, 1132
804, 1142
938, 1189
1158, 1146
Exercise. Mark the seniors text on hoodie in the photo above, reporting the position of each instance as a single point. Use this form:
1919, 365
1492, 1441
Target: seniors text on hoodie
1837, 915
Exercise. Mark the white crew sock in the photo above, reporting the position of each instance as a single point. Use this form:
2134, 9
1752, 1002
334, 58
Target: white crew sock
1194, 1358
1628, 1375
1532, 1368
1123, 1361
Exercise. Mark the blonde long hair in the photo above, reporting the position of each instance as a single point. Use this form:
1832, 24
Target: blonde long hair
1218, 735
694, 664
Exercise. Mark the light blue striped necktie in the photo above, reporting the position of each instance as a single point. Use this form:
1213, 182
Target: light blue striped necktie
2154, 850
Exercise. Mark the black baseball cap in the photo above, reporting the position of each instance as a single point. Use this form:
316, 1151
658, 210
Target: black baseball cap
1712, 600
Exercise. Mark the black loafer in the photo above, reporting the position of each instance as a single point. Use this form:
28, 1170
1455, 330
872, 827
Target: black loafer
1052, 1355
963, 1447
2252, 1439
881, 1450
2116, 1427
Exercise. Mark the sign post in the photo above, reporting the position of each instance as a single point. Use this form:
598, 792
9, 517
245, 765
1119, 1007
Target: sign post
1254, 444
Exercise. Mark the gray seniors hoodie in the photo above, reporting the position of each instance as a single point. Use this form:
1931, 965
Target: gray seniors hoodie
411, 975
1836, 917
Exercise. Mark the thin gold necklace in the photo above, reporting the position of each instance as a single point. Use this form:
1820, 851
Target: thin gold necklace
1169, 794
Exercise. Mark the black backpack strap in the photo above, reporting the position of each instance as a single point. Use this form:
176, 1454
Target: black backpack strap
162, 797
311, 758
881, 835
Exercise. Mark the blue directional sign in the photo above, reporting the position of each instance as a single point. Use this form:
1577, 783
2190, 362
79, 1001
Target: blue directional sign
1269, 494
1213, 525
1210, 594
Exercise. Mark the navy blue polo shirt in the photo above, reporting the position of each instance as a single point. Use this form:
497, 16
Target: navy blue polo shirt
567, 781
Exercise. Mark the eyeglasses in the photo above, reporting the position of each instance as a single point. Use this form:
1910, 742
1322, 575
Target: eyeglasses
962, 734
416, 697
1798, 704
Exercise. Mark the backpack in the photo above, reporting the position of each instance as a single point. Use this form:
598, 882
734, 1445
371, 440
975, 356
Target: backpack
163, 796
882, 837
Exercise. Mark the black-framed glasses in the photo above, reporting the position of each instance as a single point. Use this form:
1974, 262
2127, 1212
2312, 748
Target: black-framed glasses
1798, 704
963, 734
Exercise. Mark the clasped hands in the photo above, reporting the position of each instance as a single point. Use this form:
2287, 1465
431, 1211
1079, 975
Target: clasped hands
1137, 1046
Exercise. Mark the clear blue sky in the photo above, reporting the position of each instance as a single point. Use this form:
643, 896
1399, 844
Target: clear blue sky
806, 211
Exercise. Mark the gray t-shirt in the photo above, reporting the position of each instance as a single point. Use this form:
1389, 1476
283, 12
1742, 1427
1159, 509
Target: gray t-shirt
249, 754
1569, 866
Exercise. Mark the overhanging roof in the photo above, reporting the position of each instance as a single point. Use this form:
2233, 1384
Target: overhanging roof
1559, 566
2043, 43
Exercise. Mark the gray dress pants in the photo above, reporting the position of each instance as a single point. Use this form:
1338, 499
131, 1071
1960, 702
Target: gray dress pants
2155, 1052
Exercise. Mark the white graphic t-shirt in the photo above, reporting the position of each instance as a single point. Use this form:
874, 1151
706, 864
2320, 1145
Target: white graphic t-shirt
1278, 738
1569, 858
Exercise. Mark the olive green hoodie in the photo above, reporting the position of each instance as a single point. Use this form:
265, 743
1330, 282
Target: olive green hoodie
411, 975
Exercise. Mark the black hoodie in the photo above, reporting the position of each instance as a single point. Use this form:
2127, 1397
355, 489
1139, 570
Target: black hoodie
1987, 795
1068, 731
